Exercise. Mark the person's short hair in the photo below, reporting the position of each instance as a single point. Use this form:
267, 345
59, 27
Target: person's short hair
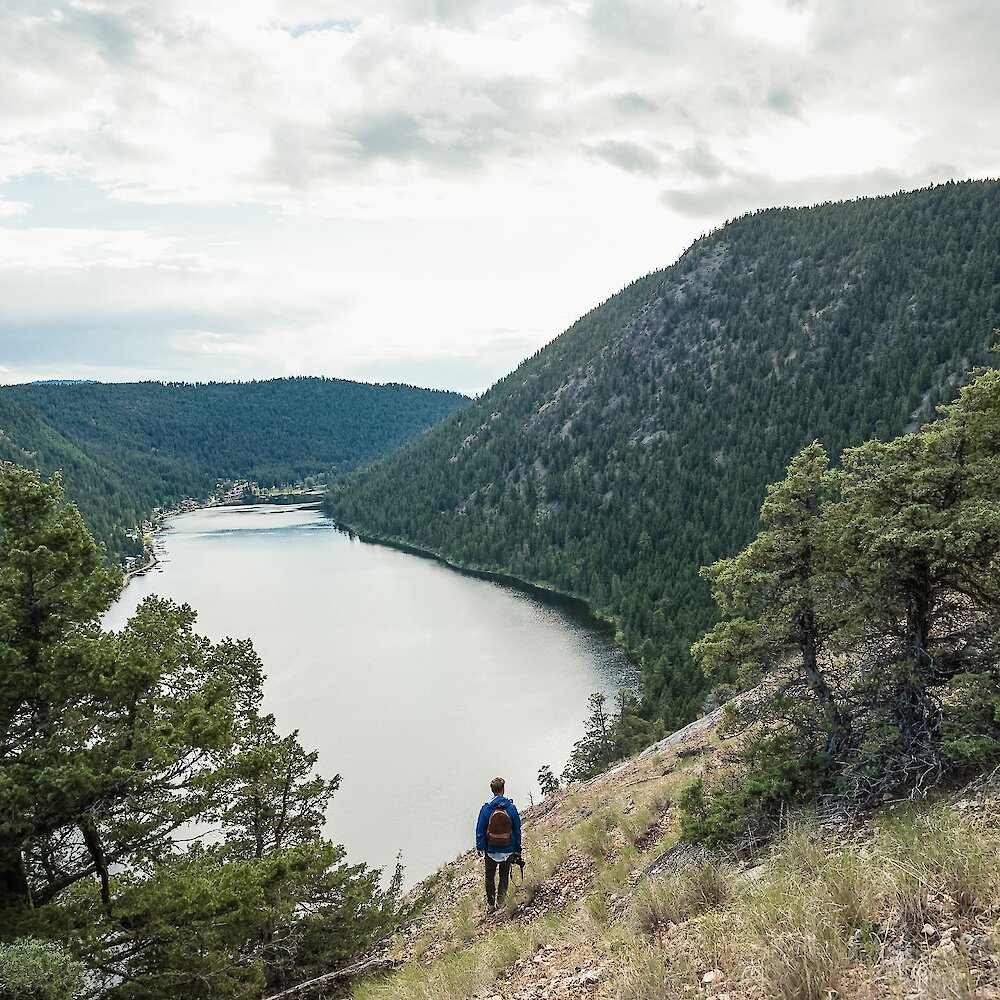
497, 785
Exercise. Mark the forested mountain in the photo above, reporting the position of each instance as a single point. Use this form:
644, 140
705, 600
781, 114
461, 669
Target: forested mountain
636, 447
126, 448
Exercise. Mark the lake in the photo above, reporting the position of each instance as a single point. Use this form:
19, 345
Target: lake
415, 682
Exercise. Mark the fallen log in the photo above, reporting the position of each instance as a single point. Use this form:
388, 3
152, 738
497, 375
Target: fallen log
364, 967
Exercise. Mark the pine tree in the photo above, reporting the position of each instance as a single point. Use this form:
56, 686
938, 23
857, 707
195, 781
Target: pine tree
112, 746
547, 781
779, 595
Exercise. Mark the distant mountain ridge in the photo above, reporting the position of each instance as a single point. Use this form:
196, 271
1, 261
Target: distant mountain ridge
125, 448
636, 446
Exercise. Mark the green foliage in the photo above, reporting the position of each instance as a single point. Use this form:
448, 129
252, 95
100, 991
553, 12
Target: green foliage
608, 738
117, 753
869, 608
970, 730
918, 525
781, 598
636, 446
127, 448
38, 970
773, 775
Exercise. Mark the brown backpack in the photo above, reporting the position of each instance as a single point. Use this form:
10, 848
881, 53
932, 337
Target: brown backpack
499, 828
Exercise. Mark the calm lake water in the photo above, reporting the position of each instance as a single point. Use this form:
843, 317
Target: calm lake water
414, 682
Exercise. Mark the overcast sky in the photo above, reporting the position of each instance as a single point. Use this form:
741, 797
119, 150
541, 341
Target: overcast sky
427, 191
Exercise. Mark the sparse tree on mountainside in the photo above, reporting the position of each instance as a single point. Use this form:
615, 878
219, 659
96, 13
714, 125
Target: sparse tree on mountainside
547, 781
779, 595
919, 524
596, 749
609, 738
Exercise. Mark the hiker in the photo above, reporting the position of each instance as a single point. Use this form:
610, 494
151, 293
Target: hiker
498, 837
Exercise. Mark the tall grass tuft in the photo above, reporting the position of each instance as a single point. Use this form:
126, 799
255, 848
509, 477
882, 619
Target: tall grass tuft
594, 835
648, 973
945, 977
451, 977
680, 896
804, 963
638, 825
465, 918
541, 865
947, 852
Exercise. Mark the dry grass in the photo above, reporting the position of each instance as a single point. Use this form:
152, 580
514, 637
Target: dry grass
679, 897
804, 964
646, 972
594, 835
639, 824
542, 865
821, 912
466, 971
946, 853
826, 915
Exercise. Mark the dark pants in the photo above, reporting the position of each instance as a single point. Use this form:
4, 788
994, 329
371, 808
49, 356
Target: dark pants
492, 892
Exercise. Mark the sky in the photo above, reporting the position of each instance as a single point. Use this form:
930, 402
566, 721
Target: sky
428, 191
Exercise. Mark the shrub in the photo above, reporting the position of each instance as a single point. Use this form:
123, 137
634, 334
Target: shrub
970, 733
38, 970
770, 777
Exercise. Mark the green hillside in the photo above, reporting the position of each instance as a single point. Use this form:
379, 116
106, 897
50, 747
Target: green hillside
26, 438
126, 448
637, 445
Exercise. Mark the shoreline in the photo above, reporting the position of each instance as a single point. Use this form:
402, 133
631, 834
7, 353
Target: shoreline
570, 604
128, 577
314, 501
546, 595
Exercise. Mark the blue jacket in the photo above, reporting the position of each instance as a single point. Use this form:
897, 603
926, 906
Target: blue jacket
484, 818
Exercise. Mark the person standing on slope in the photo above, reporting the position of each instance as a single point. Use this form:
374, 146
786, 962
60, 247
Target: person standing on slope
498, 837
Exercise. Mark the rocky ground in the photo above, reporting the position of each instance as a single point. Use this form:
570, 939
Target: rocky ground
612, 906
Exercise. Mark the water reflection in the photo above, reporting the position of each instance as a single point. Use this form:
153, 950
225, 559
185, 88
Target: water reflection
416, 683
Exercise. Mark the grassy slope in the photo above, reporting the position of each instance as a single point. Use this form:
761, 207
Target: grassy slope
905, 905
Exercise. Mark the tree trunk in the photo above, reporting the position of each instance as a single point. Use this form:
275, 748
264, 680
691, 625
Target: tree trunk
92, 839
15, 892
821, 690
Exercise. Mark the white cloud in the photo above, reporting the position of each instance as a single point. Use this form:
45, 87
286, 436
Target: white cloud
228, 103
13, 209
46, 250
440, 169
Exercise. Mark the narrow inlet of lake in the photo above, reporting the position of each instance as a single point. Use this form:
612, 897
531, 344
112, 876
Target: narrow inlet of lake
416, 683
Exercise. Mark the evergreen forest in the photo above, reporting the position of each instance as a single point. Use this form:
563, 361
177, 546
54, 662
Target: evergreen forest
124, 449
637, 446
